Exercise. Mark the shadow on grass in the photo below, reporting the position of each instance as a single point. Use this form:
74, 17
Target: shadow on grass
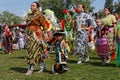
22, 57
96, 58
72, 61
24, 70
100, 64
48, 71
19, 69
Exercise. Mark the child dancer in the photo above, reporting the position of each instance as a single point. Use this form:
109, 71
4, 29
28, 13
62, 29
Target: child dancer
60, 65
102, 42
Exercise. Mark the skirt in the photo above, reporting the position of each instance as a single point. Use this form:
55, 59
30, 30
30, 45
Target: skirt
111, 40
35, 47
102, 46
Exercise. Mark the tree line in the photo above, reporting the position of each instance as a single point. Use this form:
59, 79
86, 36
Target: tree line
58, 6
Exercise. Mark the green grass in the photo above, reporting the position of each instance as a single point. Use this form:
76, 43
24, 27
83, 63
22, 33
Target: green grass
13, 67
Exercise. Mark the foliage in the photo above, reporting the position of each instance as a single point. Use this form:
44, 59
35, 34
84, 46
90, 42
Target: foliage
117, 7
55, 5
13, 67
86, 3
9, 18
109, 4
100, 14
58, 5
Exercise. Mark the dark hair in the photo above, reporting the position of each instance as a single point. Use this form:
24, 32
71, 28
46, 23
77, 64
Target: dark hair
115, 12
71, 12
108, 9
37, 4
83, 6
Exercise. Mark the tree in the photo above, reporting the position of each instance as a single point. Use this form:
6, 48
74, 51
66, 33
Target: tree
55, 5
109, 4
58, 5
100, 14
117, 6
9, 18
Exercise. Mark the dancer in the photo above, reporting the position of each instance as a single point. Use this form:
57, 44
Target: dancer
109, 21
117, 40
60, 65
67, 24
36, 25
83, 23
102, 41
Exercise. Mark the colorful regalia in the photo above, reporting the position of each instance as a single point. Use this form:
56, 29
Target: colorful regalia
60, 65
82, 22
37, 25
118, 45
110, 22
67, 25
7, 40
90, 39
102, 40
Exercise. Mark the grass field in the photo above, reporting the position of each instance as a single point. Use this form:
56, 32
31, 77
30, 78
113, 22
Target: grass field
13, 67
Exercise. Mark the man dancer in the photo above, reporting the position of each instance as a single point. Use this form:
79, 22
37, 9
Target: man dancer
83, 23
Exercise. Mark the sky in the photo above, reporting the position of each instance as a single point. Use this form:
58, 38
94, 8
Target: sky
18, 7
98, 4
15, 6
